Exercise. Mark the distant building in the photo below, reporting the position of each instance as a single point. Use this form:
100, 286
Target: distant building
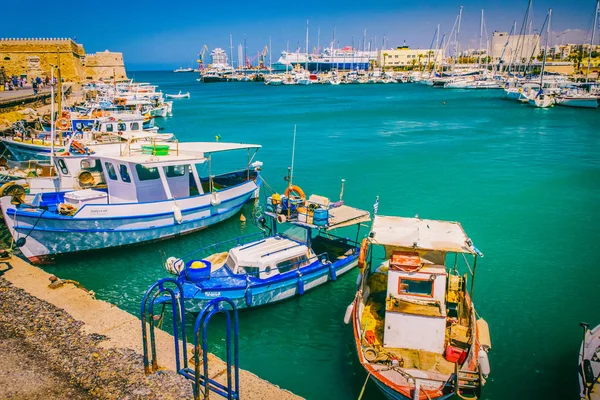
405, 57
33, 58
514, 49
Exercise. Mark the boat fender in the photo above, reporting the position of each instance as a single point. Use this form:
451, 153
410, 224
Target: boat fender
281, 218
362, 255
358, 280
483, 334
300, 284
332, 273
248, 297
348, 314
484, 363
214, 199
174, 265
177, 214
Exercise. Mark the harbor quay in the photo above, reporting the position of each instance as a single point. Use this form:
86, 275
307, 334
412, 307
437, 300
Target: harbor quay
93, 347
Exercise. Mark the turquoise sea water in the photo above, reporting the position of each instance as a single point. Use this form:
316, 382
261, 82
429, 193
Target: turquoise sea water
524, 183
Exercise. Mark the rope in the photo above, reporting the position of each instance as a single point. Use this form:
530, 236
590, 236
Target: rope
362, 391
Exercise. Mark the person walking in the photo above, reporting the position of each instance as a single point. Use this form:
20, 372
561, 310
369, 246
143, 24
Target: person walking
34, 85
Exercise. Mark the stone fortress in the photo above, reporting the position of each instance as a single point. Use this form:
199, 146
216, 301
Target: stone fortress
33, 58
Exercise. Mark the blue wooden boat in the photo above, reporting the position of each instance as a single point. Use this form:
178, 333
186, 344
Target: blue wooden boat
295, 252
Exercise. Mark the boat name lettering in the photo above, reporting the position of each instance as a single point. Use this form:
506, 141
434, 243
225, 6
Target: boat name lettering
99, 210
212, 294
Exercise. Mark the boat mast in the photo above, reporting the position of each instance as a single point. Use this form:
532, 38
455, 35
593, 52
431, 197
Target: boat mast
306, 62
545, 50
592, 41
318, 45
231, 49
480, 38
270, 57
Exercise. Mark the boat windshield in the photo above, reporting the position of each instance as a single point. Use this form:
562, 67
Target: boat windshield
293, 232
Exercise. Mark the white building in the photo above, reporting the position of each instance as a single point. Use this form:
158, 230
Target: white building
405, 57
516, 49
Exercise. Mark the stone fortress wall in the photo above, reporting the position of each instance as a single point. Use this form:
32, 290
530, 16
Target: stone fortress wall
33, 57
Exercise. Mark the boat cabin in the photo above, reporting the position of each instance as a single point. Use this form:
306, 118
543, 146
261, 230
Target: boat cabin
425, 301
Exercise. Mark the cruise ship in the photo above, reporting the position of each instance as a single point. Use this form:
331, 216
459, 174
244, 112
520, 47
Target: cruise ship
341, 59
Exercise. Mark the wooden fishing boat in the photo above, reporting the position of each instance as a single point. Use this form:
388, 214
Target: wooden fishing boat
415, 327
299, 253
589, 363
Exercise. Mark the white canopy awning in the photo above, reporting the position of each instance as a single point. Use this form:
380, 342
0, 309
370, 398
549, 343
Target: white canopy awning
421, 234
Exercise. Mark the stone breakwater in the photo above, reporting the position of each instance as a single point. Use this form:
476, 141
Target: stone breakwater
97, 345
58, 342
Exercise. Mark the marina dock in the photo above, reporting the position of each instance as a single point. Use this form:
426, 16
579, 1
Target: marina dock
95, 344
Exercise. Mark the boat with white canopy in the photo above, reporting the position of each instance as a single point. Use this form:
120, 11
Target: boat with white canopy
415, 327
152, 192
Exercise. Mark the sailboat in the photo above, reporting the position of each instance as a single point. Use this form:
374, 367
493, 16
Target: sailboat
578, 98
543, 100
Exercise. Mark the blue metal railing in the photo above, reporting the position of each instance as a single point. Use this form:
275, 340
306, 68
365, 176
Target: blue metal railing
202, 383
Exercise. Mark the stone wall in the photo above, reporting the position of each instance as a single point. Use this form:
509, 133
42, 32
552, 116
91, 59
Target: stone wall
33, 58
105, 65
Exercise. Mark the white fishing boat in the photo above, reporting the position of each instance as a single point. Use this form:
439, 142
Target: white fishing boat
274, 80
178, 96
589, 363
152, 192
415, 327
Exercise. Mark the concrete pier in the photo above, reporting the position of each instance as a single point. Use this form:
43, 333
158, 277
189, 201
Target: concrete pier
96, 344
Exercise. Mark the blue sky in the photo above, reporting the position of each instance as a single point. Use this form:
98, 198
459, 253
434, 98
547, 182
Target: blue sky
161, 34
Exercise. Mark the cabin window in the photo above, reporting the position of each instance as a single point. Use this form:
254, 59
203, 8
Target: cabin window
112, 174
91, 165
175, 170
295, 233
109, 127
291, 264
124, 172
250, 271
419, 287
135, 126
63, 167
121, 126
145, 173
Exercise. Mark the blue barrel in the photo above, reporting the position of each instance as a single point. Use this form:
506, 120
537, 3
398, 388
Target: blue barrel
320, 217
197, 270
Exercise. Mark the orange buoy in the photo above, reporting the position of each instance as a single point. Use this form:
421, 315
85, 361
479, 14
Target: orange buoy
295, 189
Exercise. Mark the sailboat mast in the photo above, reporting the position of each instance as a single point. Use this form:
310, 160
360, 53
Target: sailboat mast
545, 49
480, 38
592, 41
52, 117
306, 63
231, 48
270, 58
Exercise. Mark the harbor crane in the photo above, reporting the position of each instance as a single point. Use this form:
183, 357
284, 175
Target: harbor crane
201, 57
261, 58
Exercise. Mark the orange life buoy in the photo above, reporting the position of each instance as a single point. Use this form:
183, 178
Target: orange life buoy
62, 124
362, 255
295, 189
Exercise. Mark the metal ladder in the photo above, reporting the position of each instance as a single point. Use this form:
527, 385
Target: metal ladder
168, 290
467, 381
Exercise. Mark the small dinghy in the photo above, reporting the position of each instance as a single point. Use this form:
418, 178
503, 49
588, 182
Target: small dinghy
589, 363
178, 96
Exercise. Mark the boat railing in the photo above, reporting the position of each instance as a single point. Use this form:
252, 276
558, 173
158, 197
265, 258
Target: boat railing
227, 244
